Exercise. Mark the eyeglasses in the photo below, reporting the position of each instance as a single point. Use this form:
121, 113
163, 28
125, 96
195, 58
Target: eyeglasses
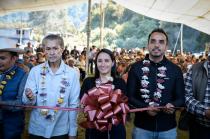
26, 57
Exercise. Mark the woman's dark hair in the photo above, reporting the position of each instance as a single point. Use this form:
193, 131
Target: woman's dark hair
113, 70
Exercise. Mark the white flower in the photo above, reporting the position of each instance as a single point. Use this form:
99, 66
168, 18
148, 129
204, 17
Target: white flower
161, 75
43, 77
145, 69
109, 78
42, 87
160, 86
44, 100
113, 86
157, 94
62, 85
146, 91
147, 100
145, 77
162, 68
64, 77
62, 95
152, 103
145, 96
98, 82
144, 83
146, 61
44, 111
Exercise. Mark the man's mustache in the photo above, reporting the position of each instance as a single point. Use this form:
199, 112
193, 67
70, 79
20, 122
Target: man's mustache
156, 49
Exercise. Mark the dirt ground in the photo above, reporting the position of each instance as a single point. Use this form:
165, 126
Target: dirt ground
129, 126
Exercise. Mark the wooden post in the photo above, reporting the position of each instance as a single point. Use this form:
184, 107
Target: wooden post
88, 35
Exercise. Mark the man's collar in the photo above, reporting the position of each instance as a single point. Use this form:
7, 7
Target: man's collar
61, 68
10, 69
161, 62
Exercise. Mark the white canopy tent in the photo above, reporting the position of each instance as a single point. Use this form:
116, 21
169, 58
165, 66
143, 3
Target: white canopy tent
193, 13
7, 6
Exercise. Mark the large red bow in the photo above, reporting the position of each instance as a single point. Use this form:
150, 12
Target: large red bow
104, 107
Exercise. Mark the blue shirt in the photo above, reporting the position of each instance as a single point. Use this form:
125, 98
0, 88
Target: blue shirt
20, 79
12, 118
65, 122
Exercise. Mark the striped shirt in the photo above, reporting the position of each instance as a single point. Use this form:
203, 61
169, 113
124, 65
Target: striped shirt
195, 106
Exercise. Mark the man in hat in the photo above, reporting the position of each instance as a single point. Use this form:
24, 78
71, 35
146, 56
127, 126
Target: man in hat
12, 81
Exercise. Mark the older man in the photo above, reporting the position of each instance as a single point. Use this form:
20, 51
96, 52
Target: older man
52, 83
12, 81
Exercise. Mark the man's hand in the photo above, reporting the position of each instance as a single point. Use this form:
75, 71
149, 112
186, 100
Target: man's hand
29, 94
169, 108
153, 111
72, 137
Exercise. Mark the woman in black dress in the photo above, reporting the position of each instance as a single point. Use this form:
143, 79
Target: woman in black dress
104, 73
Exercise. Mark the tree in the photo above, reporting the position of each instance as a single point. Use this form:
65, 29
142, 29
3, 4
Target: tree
38, 20
202, 39
51, 21
132, 29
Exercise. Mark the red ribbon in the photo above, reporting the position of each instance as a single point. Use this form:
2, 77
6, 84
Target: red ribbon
40, 107
104, 107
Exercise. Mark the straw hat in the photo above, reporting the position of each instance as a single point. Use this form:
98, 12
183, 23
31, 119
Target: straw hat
9, 45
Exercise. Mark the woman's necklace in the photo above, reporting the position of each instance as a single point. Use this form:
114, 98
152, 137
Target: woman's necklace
99, 81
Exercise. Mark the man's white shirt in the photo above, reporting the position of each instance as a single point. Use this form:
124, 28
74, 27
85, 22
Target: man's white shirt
65, 121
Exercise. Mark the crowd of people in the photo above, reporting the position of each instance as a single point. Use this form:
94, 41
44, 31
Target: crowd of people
151, 77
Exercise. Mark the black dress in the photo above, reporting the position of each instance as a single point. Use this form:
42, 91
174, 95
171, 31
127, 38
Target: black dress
118, 131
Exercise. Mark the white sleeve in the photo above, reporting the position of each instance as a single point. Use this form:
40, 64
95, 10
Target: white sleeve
74, 103
31, 84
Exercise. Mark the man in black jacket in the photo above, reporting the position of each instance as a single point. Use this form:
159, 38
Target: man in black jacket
155, 81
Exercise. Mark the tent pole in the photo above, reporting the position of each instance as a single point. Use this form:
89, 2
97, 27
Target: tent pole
102, 11
176, 41
21, 31
181, 39
88, 36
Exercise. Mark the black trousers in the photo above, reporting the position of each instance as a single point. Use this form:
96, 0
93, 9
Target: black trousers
117, 132
90, 65
2, 136
55, 137
82, 74
197, 131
